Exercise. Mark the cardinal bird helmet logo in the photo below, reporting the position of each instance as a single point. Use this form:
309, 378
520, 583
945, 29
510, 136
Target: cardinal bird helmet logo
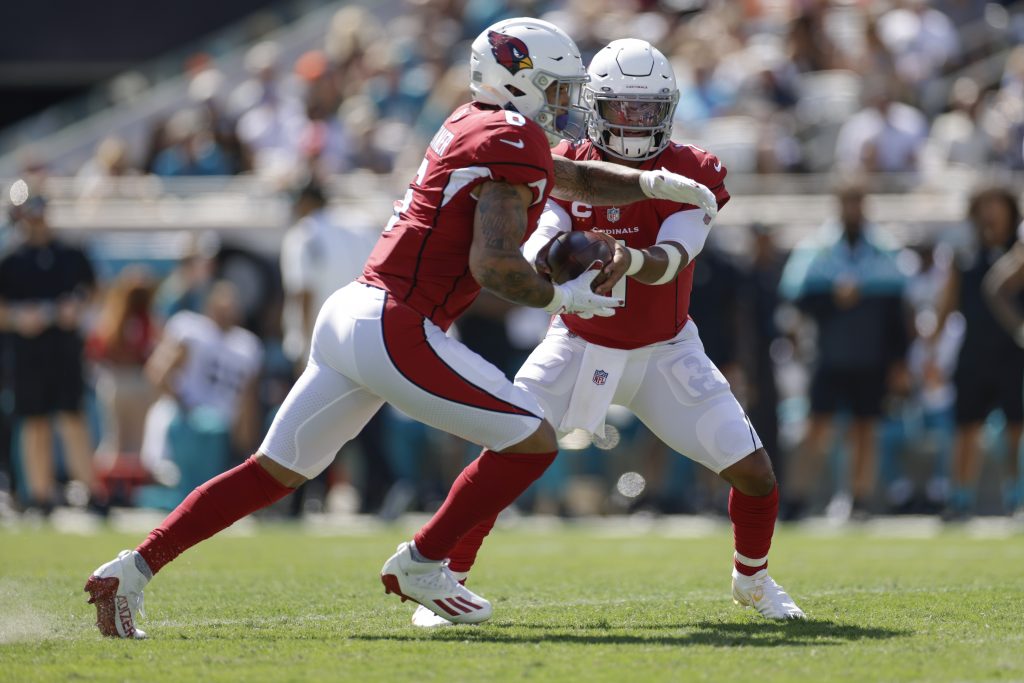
511, 52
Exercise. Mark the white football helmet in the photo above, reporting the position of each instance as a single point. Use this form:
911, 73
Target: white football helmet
535, 68
633, 95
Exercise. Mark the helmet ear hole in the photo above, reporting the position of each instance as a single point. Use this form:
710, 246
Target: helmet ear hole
516, 92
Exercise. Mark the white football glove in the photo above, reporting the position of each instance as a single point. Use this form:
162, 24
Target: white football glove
576, 297
663, 184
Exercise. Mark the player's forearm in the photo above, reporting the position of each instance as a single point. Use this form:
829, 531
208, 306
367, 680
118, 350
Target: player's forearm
656, 262
596, 182
512, 278
494, 257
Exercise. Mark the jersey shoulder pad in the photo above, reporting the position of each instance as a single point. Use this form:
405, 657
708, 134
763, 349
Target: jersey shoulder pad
690, 161
501, 136
515, 139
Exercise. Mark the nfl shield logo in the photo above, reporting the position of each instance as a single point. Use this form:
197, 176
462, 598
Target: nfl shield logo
614, 214
600, 376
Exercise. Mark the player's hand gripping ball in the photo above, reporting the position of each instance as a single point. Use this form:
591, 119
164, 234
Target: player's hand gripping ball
573, 253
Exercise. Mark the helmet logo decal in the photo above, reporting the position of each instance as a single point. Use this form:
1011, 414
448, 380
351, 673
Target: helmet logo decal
510, 52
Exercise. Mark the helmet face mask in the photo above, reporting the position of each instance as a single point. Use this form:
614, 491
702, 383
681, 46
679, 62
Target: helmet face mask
534, 68
565, 113
633, 96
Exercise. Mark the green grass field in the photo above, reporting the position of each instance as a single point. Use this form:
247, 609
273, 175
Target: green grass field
570, 605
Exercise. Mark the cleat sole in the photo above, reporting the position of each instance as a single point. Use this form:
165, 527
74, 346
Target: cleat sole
101, 593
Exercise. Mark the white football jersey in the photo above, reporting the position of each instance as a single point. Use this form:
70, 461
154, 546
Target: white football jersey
319, 255
219, 364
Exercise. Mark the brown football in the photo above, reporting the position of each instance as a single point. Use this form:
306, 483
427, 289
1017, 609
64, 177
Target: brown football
573, 252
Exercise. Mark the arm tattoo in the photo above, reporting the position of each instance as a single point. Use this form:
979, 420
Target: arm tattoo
495, 259
596, 182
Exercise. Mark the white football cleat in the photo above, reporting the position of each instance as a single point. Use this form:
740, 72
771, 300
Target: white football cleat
432, 585
116, 590
424, 618
762, 593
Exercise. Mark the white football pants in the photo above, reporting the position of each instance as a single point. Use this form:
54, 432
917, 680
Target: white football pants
672, 387
368, 349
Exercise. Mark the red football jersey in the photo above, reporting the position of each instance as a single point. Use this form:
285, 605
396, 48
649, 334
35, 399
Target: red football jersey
422, 257
652, 313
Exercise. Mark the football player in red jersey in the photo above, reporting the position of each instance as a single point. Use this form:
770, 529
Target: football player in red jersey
477, 195
649, 357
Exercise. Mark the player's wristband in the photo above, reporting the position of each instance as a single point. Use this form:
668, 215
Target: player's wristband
636, 261
675, 257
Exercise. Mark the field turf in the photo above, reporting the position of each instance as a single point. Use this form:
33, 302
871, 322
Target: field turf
571, 604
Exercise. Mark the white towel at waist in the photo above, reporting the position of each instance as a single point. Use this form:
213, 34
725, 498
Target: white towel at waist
600, 373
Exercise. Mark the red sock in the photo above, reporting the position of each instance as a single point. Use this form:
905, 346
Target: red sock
753, 523
211, 507
486, 487
463, 555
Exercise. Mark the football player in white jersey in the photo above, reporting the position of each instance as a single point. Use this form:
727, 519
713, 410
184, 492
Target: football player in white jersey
477, 195
649, 357
204, 360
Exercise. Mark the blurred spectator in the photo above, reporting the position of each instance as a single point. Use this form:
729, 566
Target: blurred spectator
318, 256
757, 301
108, 163
205, 91
45, 285
886, 136
990, 367
808, 41
261, 63
922, 40
361, 119
875, 57
206, 367
272, 124
704, 96
324, 142
1004, 120
192, 148
849, 285
957, 137
124, 335
186, 287
156, 142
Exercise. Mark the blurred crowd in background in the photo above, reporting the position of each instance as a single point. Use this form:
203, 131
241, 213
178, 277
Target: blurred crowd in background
777, 86
881, 377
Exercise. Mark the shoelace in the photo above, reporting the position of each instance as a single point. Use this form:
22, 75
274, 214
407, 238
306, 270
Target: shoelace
437, 580
442, 580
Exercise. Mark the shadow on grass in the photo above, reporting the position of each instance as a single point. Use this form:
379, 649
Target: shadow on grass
714, 634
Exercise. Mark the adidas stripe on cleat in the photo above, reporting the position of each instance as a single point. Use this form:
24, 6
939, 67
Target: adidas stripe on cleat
432, 585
